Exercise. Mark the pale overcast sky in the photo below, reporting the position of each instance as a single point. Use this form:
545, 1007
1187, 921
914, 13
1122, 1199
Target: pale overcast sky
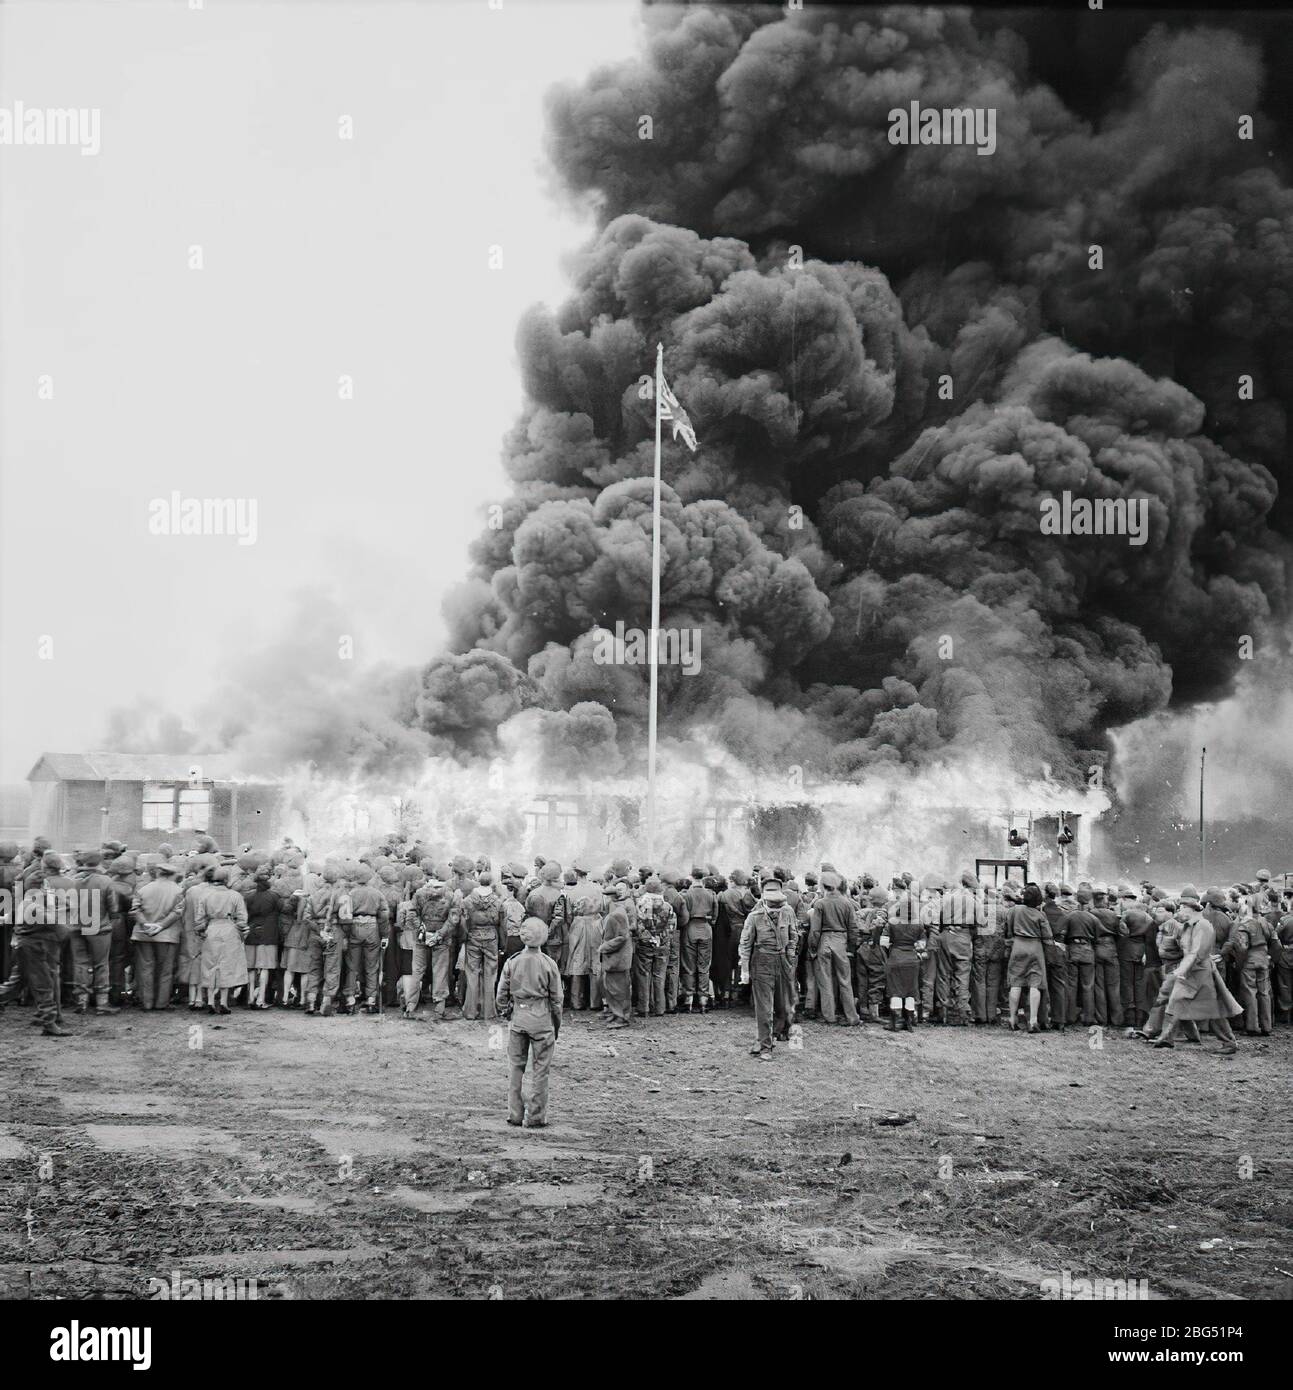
219, 128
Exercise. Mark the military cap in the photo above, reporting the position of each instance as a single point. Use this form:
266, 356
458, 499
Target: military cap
653, 885
534, 931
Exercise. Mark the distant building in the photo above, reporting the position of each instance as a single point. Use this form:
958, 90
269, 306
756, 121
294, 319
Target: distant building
15, 805
78, 800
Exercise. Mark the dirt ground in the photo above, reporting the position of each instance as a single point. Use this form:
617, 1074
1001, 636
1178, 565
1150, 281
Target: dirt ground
364, 1157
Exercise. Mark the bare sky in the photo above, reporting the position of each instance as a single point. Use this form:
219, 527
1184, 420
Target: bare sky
321, 257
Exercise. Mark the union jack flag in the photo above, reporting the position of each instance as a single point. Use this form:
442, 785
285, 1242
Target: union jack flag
670, 410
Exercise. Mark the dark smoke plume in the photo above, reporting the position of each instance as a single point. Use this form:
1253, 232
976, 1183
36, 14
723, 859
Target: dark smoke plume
866, 519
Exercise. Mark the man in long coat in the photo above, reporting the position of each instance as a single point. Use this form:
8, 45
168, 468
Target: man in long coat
1198, 990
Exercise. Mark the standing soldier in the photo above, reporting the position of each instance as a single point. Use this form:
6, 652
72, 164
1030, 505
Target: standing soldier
513, 875
655, 922
1078, 929
870, 959
701, 908
674, 884
1108, 996
616, 954
485, 928
1059, 969
10, 875
960, 914
931, 913
735, 903
121, 872
802, 903
325, 910
369, 927
156, 912
547, 904
832, 943
438, 909
1251, 943
769, 943
583, 936
529, 993
91, 941
988, 961
40, 929
1136, 931
394, 888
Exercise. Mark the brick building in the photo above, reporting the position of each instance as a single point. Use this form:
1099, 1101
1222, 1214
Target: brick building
78, 800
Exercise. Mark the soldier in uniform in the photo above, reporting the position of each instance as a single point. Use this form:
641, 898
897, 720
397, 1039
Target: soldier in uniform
769, 943
156, 912
438, 909
369, 927
988, 962
960, 914
873, 921
1108, 988
616, 953
674, 884
655, 923
1078, 929
832, 943
484, 924
529, 993
1252, 942
1135, 939
40, 930
700, 905
931, 912
91, 941
547, 904
325, 909
735, 903
513, 875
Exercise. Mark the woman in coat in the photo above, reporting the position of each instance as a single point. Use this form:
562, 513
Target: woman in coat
1198, 991
221, 919
903, 936
188, 970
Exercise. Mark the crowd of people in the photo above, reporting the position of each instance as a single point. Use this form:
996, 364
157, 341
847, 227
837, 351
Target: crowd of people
398, 928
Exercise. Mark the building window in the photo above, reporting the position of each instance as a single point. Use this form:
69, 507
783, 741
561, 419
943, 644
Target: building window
195, 810
536, 817
565, 816
159, 806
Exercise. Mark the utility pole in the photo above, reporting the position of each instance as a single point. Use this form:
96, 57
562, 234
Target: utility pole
1202, 842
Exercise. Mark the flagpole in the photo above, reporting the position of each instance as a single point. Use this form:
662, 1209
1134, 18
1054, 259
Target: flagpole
653, 637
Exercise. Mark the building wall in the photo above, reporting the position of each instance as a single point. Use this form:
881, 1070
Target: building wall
71, 814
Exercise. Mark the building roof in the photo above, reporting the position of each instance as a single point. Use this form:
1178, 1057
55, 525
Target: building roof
140, 767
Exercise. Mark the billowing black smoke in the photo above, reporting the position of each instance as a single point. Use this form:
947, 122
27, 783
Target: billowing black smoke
874, 586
